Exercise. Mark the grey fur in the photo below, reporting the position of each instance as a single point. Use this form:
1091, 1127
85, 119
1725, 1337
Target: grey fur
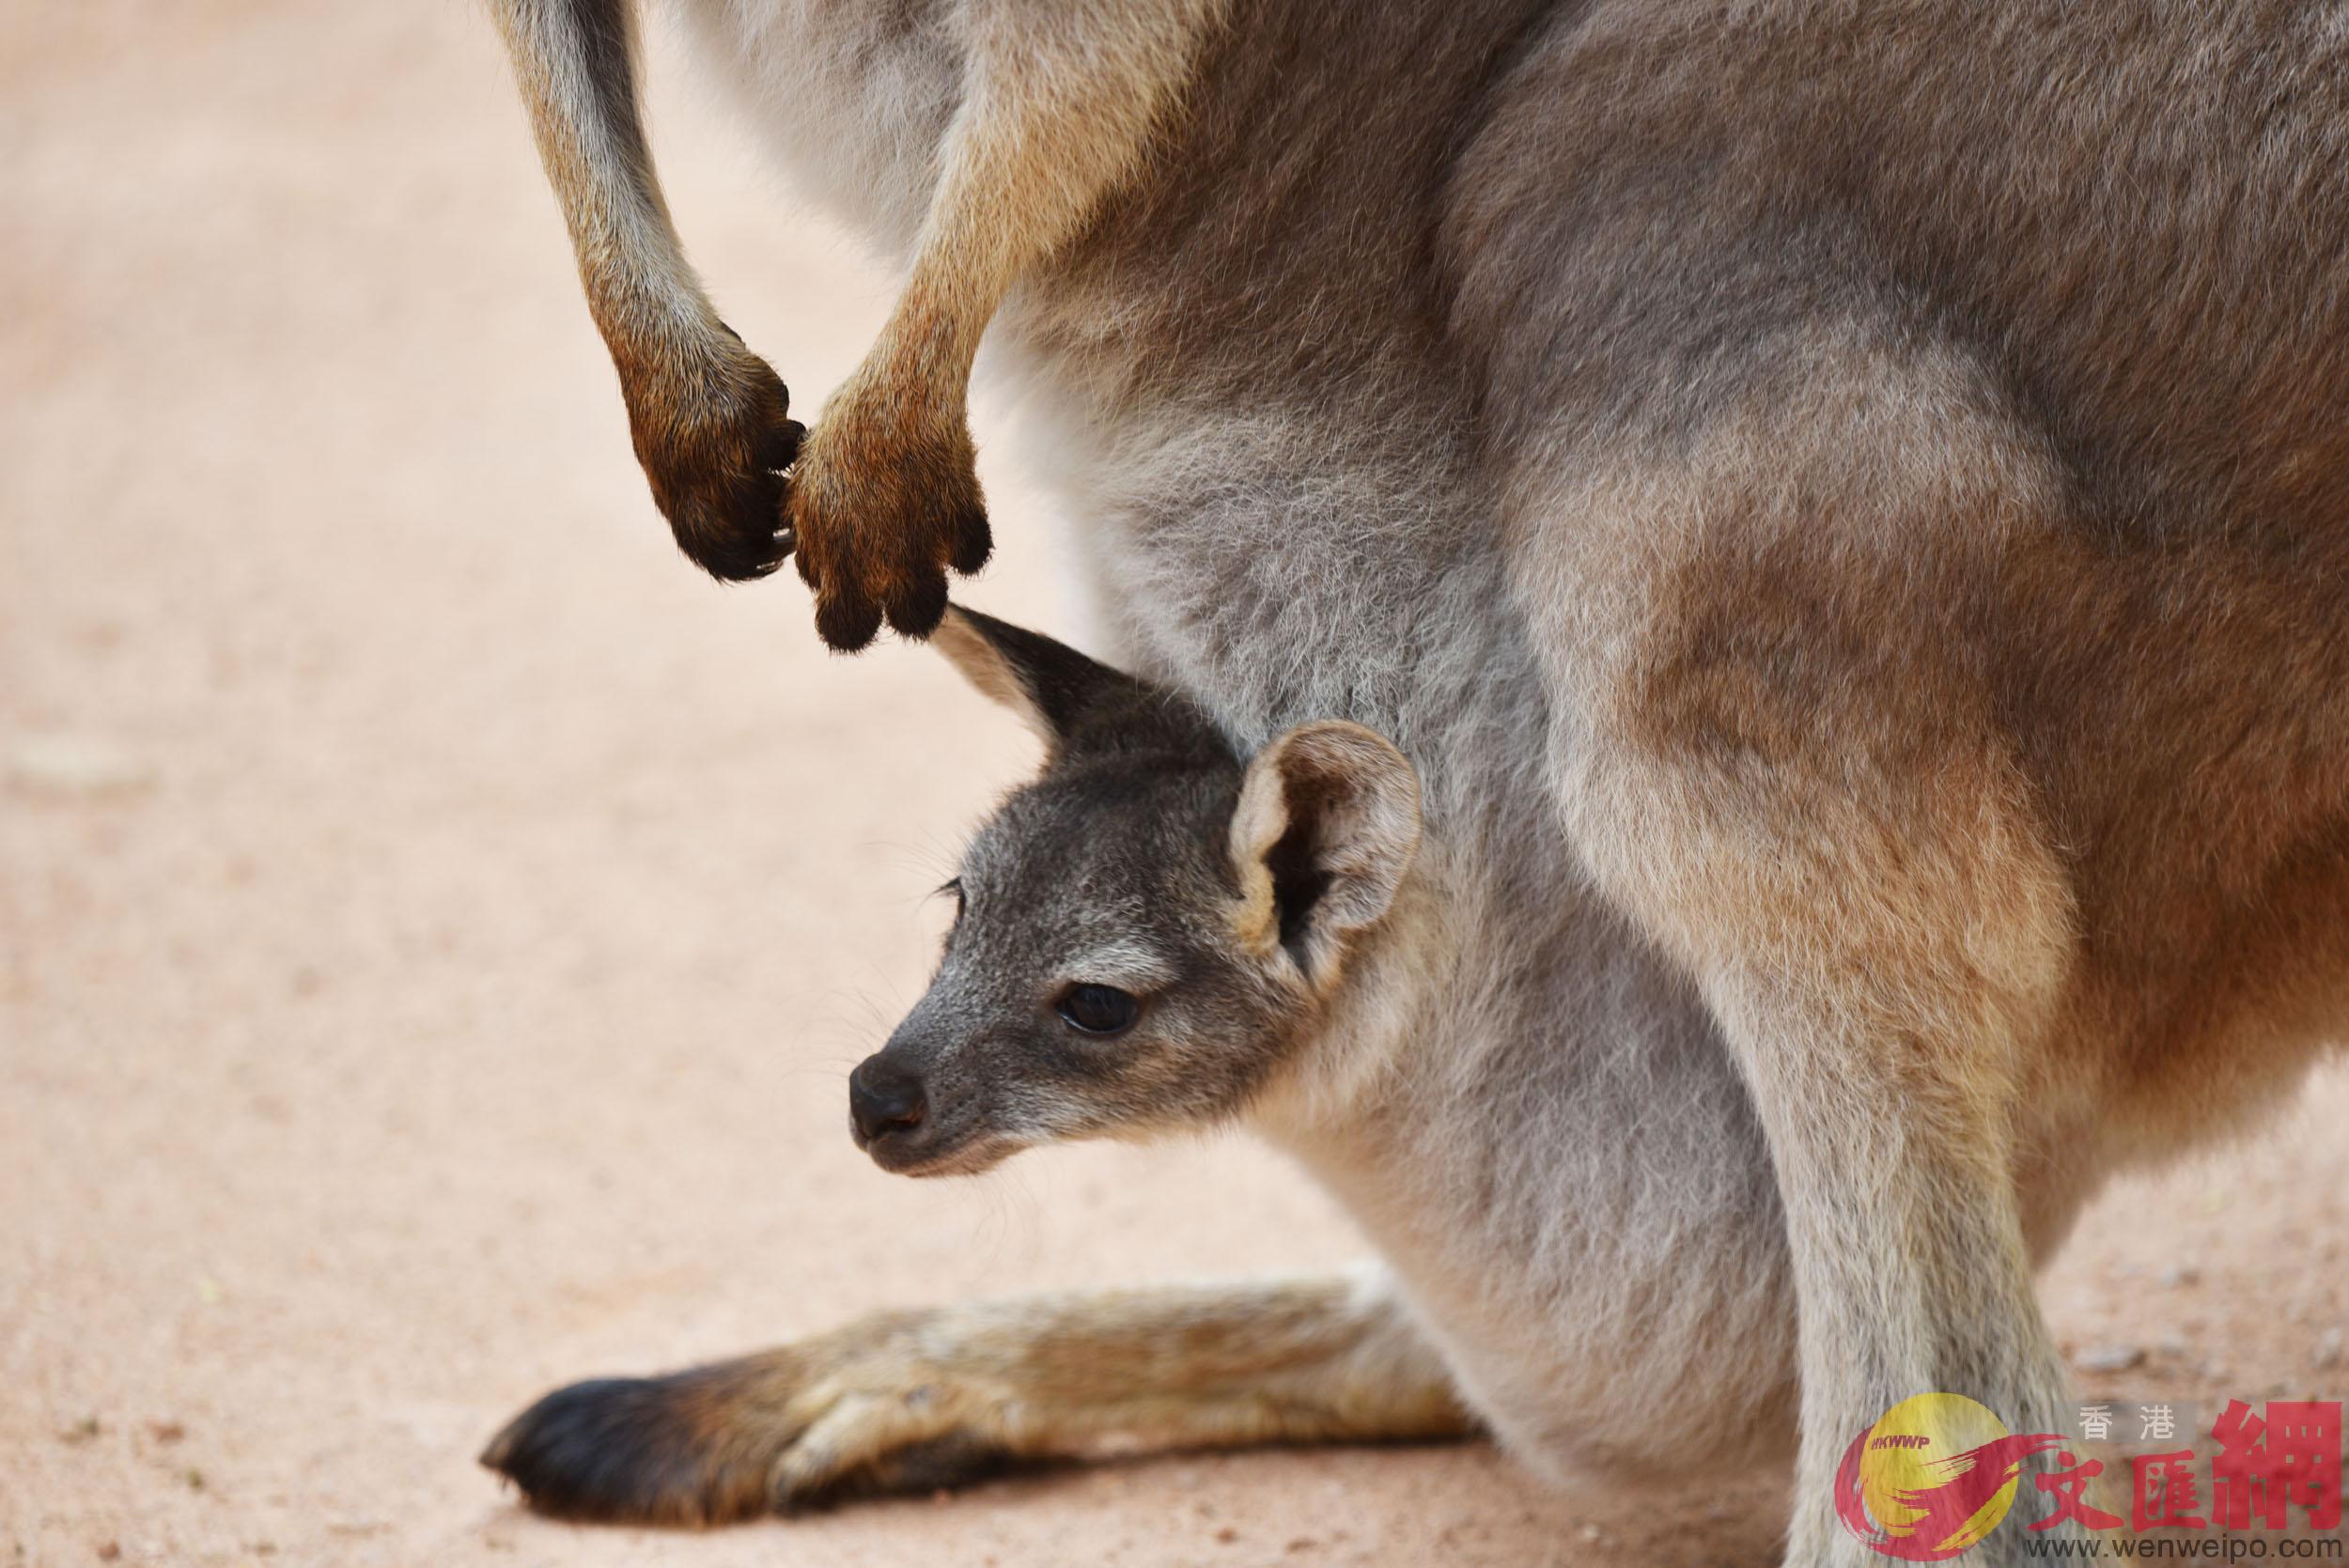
1535, 1124
1840, 503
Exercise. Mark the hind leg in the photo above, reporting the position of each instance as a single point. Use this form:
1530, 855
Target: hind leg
912, 1401
1776, 751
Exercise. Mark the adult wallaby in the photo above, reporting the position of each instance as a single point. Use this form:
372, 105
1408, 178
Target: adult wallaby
1846, 507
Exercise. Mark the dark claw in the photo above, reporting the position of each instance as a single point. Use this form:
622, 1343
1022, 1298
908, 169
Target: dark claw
972, 544
743, 563
915, 610
846, 619
781, 448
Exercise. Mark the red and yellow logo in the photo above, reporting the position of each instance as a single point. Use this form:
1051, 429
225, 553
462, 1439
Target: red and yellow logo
1932, 1477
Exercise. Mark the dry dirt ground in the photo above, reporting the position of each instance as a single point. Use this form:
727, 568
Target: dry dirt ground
435, 923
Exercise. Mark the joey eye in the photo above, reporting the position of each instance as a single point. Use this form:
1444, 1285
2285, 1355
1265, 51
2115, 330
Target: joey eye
1098, 1009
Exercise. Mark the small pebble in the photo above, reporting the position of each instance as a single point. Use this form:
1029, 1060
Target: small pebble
2110, 1357
2328, 1349
2178, 1274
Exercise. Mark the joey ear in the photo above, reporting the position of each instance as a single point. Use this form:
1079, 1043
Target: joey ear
1327, 824
1050, 685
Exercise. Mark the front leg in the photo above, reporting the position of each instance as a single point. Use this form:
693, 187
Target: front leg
915, 1399
709, 418
1058, 107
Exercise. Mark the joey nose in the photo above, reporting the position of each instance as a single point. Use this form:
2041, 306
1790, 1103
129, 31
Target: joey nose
884, 1098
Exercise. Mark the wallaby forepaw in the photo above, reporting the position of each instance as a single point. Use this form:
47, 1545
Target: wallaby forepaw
879, 516
715, 442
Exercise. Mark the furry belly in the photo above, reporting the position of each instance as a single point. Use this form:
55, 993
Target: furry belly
1576, 1388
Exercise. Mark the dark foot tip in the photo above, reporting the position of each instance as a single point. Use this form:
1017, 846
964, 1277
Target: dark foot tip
619, 1448
974, 541
847, 621
745, 565
742, 540
915, 611
781, 448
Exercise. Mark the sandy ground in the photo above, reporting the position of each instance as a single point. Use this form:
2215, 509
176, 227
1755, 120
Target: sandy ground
435, 923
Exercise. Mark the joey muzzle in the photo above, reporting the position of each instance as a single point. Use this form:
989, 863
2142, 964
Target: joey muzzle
886, 1101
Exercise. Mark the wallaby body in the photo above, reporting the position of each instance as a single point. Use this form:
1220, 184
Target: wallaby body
1846, 510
